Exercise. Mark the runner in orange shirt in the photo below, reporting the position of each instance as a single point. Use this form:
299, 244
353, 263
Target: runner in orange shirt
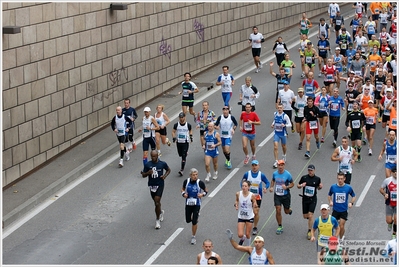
371, 117
376, 9
373, 61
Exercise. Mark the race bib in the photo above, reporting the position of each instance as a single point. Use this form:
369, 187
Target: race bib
343, 46
379, 86
391, 158
334, 106
330, 77
225, 132
350, 107
191, 201
340, 198
344, 167
323, 240
154, 188
338, 22
185, 93
373, 63
121, 131
356, 124
278, 127
247, 126
393, 196
244, 213
393, 122
358, 72
313, 125
279, 190
209, 146
369, 120
308, 59
394, 35
309, 191
182, 136
254, 189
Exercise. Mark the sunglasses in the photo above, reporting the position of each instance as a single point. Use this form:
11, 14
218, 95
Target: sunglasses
367, 89
225, 108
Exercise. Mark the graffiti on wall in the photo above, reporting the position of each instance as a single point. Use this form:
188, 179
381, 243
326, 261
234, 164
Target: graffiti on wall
199, 29
115, 76
165, 49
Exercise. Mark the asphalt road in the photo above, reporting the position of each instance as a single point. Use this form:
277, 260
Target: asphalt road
109, 217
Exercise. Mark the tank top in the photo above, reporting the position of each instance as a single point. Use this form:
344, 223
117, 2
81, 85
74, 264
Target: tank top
345, 165
120, 124
300, 104
391, 152
393, 119
160, 120
210, 139
148, 122
329, 73
309, 88
387, 112
182, 133
192, 191
255, 259
245, 210
364, 101
325, 231
309, 56
226, 124
255, 182
203, 260
278, 121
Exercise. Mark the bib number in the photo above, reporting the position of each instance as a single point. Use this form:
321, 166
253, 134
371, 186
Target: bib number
279, 190
370, 120
185, 93
313, 125
154, 188
247, 126
191, 201
356, 124
309, 191
340, 198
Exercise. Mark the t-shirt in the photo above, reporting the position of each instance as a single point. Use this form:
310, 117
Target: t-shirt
157, 171
340, 196
249, 128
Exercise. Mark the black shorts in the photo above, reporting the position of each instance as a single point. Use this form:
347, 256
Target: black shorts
309, 205
202, 132
256, 52
283, 200
340, 215
121, 139
348, 178
370, 126
192, 214
394, 78
258, 202
377, 95
162, 131
243, 108
246, 220
337, 28
298, 119
323, 114
187, 104
375, 16
157, 193
385, 118
328, 83
343, 52
182, 149
147, 142
323, 56
356, 135
129, 137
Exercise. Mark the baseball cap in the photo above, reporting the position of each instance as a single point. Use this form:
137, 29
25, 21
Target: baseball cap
387, 49
182, 115
300, 89
255, 162
337, 48
311, 167
332, 243
343, 29
147, 109
309, 43
389, 90
370, 101
259, 238
325, 206
352, 72
281, 161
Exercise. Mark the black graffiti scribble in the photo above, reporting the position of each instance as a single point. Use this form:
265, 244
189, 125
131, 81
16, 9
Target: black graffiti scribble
105, 95
199, 29
165, 49
115, 76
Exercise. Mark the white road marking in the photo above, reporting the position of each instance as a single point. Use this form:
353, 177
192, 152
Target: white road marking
365, 190
266, 139
163, 247
225, 180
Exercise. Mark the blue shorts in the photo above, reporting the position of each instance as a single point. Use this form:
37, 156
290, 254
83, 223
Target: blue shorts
147, 142
283, 139
331, 17
389, 165
249, 136
226, 141
212, 153
226, 97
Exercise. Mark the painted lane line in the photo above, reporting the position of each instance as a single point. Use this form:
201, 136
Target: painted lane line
266, 139
365, 190
225, 180
163, 247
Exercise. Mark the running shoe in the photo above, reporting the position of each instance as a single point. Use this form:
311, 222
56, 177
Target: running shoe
127, 158
292, 130
257, 70
226, 163
159, 154
161, 215
285, 158
334, 144
181, 172
121, 163
168, 141
215, 175
229, 165
290, 213
370, 152
309, 235
255, 231
390, 227
379, 119
260, 65
275, 164
322, 139
303, 75
134, 146
193, 240
241, 241
300, 146
253, 157
318, 145
319, 74
359, 158
157, 225
208, 176
246, 160
307, 154
364, 141
279, 230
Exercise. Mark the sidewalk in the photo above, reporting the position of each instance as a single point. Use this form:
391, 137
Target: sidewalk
19, 199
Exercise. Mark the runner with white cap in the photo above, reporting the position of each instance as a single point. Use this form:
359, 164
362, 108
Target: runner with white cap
149, 126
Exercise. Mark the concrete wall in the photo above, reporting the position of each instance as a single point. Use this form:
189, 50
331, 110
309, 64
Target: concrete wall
73, 63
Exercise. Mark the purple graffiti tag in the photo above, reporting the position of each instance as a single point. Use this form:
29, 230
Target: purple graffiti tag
199, 29
165, 49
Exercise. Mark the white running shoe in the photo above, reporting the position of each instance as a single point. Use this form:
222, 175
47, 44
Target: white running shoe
260, 65
127, 157
121, 163
257, 70
285, 158
215, 175
208, 176
193, 240
275, 164
157, 224
320, 74
370, 152
161, 215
